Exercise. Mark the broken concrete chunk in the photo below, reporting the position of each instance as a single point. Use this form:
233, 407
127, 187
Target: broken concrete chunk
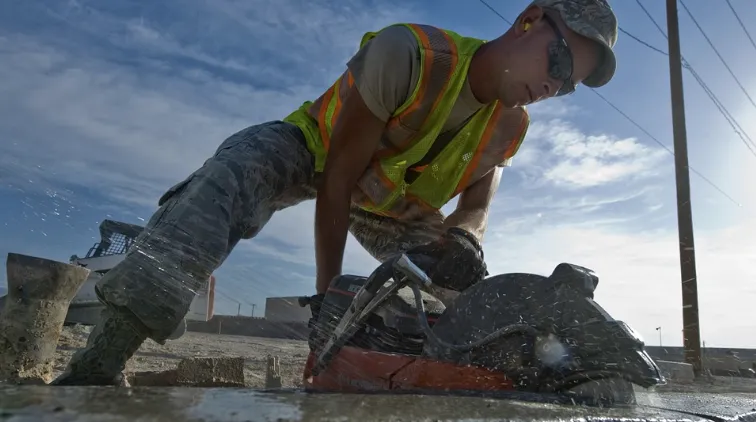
211, 372
273, 373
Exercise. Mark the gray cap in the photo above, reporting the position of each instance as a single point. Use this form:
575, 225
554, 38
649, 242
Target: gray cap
593, 19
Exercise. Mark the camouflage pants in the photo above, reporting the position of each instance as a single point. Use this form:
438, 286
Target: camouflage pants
253, 174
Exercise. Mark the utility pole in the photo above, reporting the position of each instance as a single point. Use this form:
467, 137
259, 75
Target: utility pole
691, 329
253, 309
238, 311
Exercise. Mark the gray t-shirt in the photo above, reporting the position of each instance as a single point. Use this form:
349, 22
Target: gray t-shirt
386, 71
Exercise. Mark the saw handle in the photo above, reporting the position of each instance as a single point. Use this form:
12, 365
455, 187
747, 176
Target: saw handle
357, 313
412, 271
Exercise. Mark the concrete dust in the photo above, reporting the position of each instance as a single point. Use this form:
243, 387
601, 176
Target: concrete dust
154, 357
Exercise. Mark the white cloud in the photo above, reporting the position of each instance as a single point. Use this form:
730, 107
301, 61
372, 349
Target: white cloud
553, 108
571, 158
131, 126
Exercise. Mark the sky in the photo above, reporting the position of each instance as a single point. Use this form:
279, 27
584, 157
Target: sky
104, 105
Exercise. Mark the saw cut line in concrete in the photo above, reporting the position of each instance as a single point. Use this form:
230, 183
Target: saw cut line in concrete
39, 292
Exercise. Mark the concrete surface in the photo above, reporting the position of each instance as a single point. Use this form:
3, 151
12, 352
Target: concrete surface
721, 361
152, 357
672, 402
676, 371
36, 403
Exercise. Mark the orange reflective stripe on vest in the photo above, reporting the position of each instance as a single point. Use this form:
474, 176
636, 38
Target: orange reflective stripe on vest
489, 154
439, 61
436, 72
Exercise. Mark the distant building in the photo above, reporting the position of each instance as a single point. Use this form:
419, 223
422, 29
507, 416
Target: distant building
286, 309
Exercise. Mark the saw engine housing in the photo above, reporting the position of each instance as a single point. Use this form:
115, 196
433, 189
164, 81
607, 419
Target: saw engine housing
392, 328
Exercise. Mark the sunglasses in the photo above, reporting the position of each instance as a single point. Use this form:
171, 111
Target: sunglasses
560, 60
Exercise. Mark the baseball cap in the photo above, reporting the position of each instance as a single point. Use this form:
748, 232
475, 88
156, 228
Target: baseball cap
593, 19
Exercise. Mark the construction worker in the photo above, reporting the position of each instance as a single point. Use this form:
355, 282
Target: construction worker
420, 116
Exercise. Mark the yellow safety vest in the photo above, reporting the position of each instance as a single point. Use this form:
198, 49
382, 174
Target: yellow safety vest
475, 150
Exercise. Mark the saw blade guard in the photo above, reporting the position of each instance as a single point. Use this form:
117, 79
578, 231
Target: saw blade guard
572, 340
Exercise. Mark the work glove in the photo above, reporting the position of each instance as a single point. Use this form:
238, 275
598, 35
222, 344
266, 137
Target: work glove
315, 302
455, 261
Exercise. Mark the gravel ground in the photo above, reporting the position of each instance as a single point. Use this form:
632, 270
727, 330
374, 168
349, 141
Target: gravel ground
154, 357
292, 353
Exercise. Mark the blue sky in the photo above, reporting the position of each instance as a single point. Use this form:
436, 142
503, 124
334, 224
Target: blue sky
106, 104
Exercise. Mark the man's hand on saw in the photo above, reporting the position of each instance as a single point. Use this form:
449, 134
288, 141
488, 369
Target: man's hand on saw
315, 302
455, 261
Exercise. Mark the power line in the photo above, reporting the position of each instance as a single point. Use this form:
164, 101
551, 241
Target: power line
722, 109
237, 302
495, 12
658, 50
724, 62
651, 17
226, 296
653, 138
632, 121
742, 134
742, 25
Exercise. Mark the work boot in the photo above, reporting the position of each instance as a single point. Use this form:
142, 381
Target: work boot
113, 341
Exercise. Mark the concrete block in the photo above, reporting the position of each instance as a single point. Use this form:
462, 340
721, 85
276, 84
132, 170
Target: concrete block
211, 372
676, 371
39, 292
152, 379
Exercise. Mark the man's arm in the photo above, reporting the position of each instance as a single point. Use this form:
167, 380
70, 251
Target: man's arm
354, 139
474, 202
382, 72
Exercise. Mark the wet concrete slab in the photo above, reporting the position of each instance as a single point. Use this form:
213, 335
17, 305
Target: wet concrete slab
110, 404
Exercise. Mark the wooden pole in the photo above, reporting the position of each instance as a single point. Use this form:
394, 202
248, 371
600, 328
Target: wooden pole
691, 328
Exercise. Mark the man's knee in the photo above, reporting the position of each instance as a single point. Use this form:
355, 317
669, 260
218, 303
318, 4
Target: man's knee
385, 237
185, 240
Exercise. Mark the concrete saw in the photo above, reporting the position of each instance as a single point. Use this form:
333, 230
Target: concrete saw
510, 333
